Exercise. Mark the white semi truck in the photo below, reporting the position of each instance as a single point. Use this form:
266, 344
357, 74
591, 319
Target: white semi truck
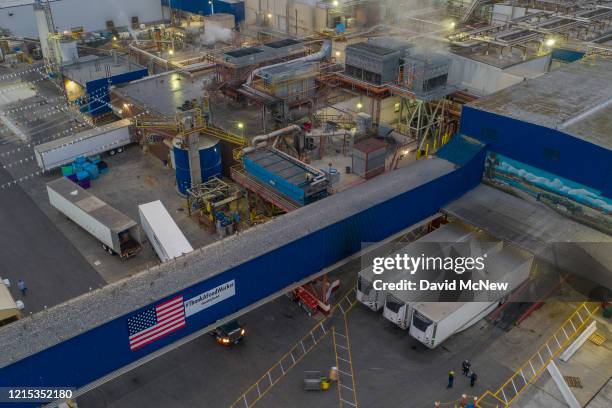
434, 322
399, 304
110, 138
442, 237
118, 233
165, 236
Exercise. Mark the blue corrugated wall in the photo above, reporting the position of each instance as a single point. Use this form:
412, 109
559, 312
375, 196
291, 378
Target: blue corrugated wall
541, 147
202, 7
97, 90
93, 354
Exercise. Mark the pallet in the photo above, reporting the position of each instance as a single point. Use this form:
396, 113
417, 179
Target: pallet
597, 338
574, 382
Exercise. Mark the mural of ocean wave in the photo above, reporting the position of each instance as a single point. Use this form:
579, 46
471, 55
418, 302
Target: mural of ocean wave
550, 182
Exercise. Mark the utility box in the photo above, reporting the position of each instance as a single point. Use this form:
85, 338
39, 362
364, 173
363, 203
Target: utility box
372, 63
369, 158
165, 236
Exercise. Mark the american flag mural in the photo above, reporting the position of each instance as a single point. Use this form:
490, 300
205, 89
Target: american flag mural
156, 322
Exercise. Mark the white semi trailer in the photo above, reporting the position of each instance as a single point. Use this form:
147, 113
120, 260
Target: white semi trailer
439, 238
118, 233
108, 138
399, 304
165, 236
434, 322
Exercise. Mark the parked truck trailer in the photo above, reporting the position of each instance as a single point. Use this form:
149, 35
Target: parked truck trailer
434, 322
108, 138
399, 304
118, 233
165, 236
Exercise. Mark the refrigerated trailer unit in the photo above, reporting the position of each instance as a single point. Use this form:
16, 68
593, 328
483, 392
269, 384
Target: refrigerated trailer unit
118, 233
433, 323
164, 235
399, 304
108, 138
443, 237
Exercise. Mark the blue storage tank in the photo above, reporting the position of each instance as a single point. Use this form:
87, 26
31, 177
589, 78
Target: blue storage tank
210, 158
181, 164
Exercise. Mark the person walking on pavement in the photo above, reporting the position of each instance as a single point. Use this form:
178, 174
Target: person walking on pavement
466, 367
22, 287
451, 379
473, 378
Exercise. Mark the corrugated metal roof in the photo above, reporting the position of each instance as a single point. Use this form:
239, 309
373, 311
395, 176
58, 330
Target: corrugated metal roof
370, 145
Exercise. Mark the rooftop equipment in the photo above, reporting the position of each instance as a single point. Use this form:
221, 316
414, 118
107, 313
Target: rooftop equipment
292, 178
372, 63
425, 73
369, 158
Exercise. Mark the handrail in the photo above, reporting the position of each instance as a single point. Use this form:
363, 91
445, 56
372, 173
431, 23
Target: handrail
531, 370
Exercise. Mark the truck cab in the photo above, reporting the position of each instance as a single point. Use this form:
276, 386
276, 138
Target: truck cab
230, 333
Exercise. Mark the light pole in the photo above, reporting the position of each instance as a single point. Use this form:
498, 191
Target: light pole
240, 126
212, 7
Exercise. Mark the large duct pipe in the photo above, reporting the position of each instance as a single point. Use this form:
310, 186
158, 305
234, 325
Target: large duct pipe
258, 141
324, 52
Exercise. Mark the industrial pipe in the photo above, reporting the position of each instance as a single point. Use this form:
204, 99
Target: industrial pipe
257, 140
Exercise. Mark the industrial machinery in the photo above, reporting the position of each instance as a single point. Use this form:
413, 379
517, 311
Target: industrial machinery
372, 63
216, 204
315, 296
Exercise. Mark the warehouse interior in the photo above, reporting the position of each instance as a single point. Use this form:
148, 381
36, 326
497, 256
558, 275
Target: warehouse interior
272, 132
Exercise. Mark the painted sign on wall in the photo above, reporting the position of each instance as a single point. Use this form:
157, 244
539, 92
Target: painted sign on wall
574, 200
210, 297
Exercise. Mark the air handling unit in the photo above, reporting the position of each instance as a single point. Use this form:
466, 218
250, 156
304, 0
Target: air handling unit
372, 63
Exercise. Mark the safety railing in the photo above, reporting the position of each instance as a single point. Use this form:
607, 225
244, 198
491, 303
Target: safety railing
224, 135
537, 363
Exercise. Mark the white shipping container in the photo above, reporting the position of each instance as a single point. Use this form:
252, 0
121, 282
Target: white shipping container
107, 138
165, 236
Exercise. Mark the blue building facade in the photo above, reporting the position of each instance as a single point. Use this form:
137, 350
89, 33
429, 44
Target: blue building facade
98, 90
542, 147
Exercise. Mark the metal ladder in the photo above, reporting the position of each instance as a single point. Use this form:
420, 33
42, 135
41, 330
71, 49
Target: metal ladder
537, 363
288, 361
347, 395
